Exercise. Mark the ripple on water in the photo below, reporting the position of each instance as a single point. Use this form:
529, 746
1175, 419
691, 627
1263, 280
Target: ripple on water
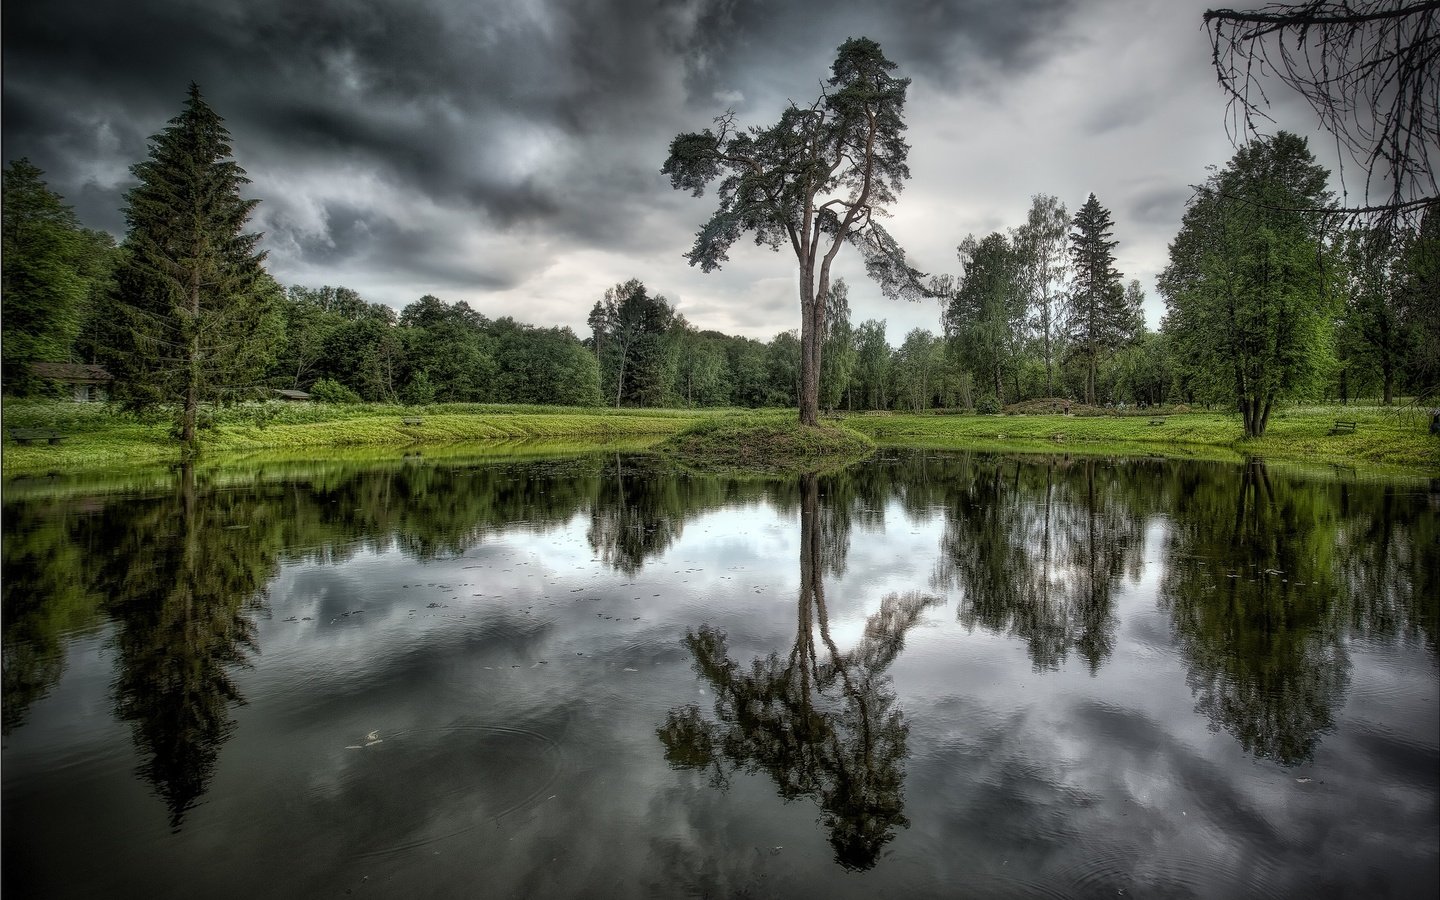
1129, 871
423, 786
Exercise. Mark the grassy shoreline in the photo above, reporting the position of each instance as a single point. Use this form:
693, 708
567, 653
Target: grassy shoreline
98, 439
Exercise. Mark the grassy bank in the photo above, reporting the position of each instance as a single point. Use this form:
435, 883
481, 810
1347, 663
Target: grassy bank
1382, 437
100, 439
771, 442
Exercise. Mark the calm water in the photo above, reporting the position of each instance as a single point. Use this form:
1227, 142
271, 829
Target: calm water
932, 675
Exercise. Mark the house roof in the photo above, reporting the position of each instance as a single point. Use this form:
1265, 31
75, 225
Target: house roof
71, 372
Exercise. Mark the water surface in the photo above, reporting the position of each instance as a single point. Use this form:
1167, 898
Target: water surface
931, 675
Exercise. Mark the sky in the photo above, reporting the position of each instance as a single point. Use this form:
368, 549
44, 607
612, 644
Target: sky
507, 152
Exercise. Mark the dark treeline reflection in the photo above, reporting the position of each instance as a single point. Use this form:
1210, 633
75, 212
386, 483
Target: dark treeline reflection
1269, 574
828, 730
1038, 549
1266, 577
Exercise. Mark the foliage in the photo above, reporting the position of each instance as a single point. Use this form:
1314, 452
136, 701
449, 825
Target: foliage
53, 267
818, 178
916, 370
1102, 315
984, 319
1247, 290
543, 365
328, 390
838, 350
1040, 246
632, 337
191, 317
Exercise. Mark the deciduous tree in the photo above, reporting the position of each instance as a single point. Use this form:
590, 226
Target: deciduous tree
1249, 307
51, 267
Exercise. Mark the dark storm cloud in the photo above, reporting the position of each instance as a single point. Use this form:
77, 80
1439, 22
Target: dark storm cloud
943, 41
426, 93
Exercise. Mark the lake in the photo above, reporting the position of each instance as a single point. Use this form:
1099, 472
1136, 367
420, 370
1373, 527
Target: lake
932, 674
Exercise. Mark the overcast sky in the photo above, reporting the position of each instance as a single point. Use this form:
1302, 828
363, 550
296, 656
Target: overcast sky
508, 152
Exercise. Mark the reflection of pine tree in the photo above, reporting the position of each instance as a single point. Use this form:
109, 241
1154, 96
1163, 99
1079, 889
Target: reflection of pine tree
1252, 594
828, 730
181, 584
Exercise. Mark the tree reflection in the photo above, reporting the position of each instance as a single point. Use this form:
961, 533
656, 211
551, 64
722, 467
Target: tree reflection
827, 730
1251, 588
184, 579
45, 594
1037, 550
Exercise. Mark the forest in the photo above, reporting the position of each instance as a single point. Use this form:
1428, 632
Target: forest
1038, 312
1274, 292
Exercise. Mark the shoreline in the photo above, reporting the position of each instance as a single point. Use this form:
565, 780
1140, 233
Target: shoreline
98, 441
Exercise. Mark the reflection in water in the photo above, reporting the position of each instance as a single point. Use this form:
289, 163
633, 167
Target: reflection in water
1038, 550
1267, 579
828, 730
46, 594
1257, 612
183, 581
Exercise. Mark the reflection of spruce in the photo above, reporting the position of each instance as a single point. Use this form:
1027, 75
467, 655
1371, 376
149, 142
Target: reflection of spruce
181, 584
827, 730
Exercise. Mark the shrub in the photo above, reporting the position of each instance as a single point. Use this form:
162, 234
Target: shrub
987, 406
328, 390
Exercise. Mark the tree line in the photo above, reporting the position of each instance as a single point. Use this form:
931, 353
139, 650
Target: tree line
1267, 301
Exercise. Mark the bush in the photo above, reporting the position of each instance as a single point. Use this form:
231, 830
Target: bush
328, 390
987, 406
419, 391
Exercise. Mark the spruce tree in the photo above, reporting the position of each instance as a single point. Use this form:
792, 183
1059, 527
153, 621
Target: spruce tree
1098, 318
192, 319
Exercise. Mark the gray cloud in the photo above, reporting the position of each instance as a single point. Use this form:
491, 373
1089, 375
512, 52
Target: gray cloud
509, 153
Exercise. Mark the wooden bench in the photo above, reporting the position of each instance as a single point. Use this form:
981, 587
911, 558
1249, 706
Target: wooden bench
1158, 420
410, 420
34, 435
1343, 427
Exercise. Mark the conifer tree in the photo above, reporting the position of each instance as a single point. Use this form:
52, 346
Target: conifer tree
192, 318
1099, 321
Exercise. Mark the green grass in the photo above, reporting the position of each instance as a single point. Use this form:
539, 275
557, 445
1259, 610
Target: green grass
769, 442
101, 439
1383, 437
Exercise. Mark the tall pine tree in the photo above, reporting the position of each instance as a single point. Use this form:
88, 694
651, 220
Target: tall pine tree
192, 319
1099, 321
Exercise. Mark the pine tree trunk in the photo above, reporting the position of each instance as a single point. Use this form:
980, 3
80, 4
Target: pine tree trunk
192, 370
812, 319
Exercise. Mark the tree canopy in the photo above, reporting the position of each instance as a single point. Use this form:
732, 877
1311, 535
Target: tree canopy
1246, 287
192, 304
816, 179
